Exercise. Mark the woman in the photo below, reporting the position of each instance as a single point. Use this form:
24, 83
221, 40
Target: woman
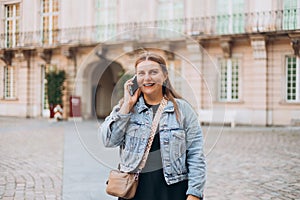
175, 168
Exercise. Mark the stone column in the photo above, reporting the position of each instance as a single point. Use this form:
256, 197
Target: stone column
71, 70
46, 55
24, 58
191, 64
259, 86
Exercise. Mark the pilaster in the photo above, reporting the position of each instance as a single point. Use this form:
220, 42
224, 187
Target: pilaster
70, 53
193, 72
25, 56
259, 87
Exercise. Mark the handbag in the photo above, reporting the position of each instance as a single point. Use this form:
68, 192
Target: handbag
124, 184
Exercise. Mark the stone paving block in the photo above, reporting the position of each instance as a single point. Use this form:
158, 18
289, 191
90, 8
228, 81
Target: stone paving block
50, 196
11, 184
29, 194
20, 186
9, 193
29, 198
39, 197
19, 198
7, 198
2, 180
29, 185
2, 189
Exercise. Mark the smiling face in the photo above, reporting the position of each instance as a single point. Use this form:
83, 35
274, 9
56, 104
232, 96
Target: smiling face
150, 78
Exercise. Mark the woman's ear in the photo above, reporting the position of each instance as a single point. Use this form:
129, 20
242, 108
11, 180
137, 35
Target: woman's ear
165, 81
165, 76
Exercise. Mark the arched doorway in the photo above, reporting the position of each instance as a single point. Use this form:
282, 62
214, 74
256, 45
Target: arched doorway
105, 76
95, 83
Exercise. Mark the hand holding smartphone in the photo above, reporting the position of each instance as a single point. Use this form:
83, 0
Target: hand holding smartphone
134, 87
129, 100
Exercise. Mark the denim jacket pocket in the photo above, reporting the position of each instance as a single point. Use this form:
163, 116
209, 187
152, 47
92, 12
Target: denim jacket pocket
178, 151
135, 140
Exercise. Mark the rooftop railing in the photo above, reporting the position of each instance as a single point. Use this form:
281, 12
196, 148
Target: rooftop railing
208, 26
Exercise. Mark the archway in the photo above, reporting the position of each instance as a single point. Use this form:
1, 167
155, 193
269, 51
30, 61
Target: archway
105, 76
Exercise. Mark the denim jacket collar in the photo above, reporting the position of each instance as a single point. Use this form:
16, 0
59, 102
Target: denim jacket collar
141, 105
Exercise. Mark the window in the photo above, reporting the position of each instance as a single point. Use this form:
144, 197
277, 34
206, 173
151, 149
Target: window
50, 9
170, 15
9, 82
229, 80
12, 23
230, 16
290, 14
106, 18
292, 79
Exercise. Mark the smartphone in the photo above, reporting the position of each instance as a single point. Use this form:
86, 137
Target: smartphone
134, 87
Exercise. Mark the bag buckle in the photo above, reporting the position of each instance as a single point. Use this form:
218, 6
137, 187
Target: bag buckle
136, 176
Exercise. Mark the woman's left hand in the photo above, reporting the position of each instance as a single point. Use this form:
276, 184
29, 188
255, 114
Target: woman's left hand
191, 197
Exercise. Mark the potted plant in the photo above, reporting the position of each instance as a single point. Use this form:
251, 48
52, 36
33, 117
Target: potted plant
55, 81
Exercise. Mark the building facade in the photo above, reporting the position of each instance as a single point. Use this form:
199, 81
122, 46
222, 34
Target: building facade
236, 61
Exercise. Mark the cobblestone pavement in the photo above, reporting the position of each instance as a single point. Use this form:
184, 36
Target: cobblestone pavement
30, 159
45, 160
255, 163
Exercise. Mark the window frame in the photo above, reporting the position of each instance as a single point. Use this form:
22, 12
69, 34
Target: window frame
227, 20
107, 28
15, 19
290, 15
170, 21
11, 93
297, 80
229, 80
52, 35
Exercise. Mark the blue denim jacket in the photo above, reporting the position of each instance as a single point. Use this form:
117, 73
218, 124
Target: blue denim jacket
181, 143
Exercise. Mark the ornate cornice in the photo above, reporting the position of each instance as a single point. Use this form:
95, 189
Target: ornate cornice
6, 56
45, 54
258, 43
226, 45
295, 43
69, 52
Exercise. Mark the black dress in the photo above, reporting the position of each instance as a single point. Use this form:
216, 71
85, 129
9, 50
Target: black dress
152, 185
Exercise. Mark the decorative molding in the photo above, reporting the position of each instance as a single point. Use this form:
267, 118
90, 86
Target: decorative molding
19, 55
101, 52
22, 55
6, 56
128, 48
258, 44
45, 54
193, 47
69, 52
296, 45
295, 42
170, 55
226, 45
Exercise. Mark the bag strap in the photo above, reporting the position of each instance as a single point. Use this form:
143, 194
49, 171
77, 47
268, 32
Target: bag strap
155, 122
